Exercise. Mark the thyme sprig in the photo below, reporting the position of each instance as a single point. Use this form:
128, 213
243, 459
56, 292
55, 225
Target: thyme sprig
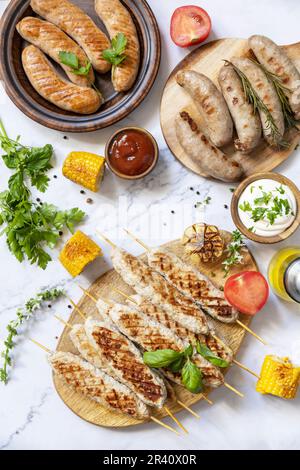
258, 105
282, 92
22, 316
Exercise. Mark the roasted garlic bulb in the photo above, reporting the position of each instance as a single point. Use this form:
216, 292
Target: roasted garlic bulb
203, 243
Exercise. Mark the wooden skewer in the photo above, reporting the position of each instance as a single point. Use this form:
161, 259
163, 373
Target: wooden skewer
40, 345
233, 390
237, 321
77, 308
88, 294
239, 364
188, 409
175, 419
63, 322
251, 332
151, 417
113, 245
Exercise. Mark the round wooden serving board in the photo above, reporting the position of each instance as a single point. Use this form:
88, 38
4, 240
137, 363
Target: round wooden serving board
96, 414
116, 106
208, 59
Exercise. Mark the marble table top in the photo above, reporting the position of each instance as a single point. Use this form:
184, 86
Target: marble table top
32, 416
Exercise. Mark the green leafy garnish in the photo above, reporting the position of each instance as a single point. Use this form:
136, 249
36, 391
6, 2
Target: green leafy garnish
234, 251
115, 55
23, 315
191, 377
71, 60
30, 227
161, 358
205, 352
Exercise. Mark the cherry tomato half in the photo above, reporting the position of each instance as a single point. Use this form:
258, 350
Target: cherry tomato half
247, 291
190, 25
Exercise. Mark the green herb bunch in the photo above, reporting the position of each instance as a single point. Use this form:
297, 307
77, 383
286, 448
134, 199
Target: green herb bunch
23, 315
30, 227
182, 361
115, 55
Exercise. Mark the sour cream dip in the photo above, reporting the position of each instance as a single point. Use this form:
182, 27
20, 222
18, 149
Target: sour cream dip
267, 208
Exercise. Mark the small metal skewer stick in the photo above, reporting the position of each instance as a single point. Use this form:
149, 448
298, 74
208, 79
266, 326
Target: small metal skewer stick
152, 418
147, 248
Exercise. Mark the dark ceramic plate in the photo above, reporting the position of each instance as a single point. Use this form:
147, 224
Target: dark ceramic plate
116, 106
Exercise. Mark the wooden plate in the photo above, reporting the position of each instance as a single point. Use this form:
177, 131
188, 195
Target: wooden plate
208, 59
116, 106
96, 414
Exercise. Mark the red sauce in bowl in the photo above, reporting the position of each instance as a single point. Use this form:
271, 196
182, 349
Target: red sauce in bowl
131, 152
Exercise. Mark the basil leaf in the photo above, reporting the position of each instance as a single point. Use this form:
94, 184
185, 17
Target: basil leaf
191, 377
205, 352
160, 358
177, 365
188, 352
69, 58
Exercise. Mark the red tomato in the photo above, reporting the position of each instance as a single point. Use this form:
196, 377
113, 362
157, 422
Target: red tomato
247, 291
190, 25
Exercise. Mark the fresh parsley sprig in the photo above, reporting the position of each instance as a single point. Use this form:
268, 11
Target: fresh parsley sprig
22, 316
234, 251
71, 60
115, 55
30, 227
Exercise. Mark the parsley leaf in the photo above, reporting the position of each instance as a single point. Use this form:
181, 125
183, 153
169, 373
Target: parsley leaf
116, 55
71, 60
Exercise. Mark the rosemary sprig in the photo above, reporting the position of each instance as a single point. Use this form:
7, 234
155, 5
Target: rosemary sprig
282, 92
23, 315
258, 105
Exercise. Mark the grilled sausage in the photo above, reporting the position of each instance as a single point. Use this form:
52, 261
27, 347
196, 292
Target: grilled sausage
247, 122
77, 24
210, 159
46, 81
276, 61
211, 104
153, 286
192, 283
52, 40
96, 385
117, 19
126, 361
152, 336
267, 93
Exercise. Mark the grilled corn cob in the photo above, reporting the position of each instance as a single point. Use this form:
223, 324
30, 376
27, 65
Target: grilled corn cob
85, 169
279, 377
78, 252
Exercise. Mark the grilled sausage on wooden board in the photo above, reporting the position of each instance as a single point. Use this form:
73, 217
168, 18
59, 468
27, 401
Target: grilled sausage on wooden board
211, 104
96, 385
247, 122
51, 86
77, 24
117, 19
210, 159
52, 40
276, 61
267, 93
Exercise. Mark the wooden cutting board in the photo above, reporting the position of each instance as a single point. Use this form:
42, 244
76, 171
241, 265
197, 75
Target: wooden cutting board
208, 59
96, 414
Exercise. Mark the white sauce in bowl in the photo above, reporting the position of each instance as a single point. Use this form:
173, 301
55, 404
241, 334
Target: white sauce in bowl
267, 208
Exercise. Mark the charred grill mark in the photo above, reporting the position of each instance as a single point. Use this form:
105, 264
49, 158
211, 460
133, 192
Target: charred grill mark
115, 350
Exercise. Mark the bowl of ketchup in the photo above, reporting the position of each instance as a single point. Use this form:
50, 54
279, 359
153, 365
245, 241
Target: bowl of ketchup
131, 153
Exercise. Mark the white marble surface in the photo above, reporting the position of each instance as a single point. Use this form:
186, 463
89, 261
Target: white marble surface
32, 416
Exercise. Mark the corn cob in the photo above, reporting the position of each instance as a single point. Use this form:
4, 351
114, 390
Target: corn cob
85, 169
78, 252
278, 377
